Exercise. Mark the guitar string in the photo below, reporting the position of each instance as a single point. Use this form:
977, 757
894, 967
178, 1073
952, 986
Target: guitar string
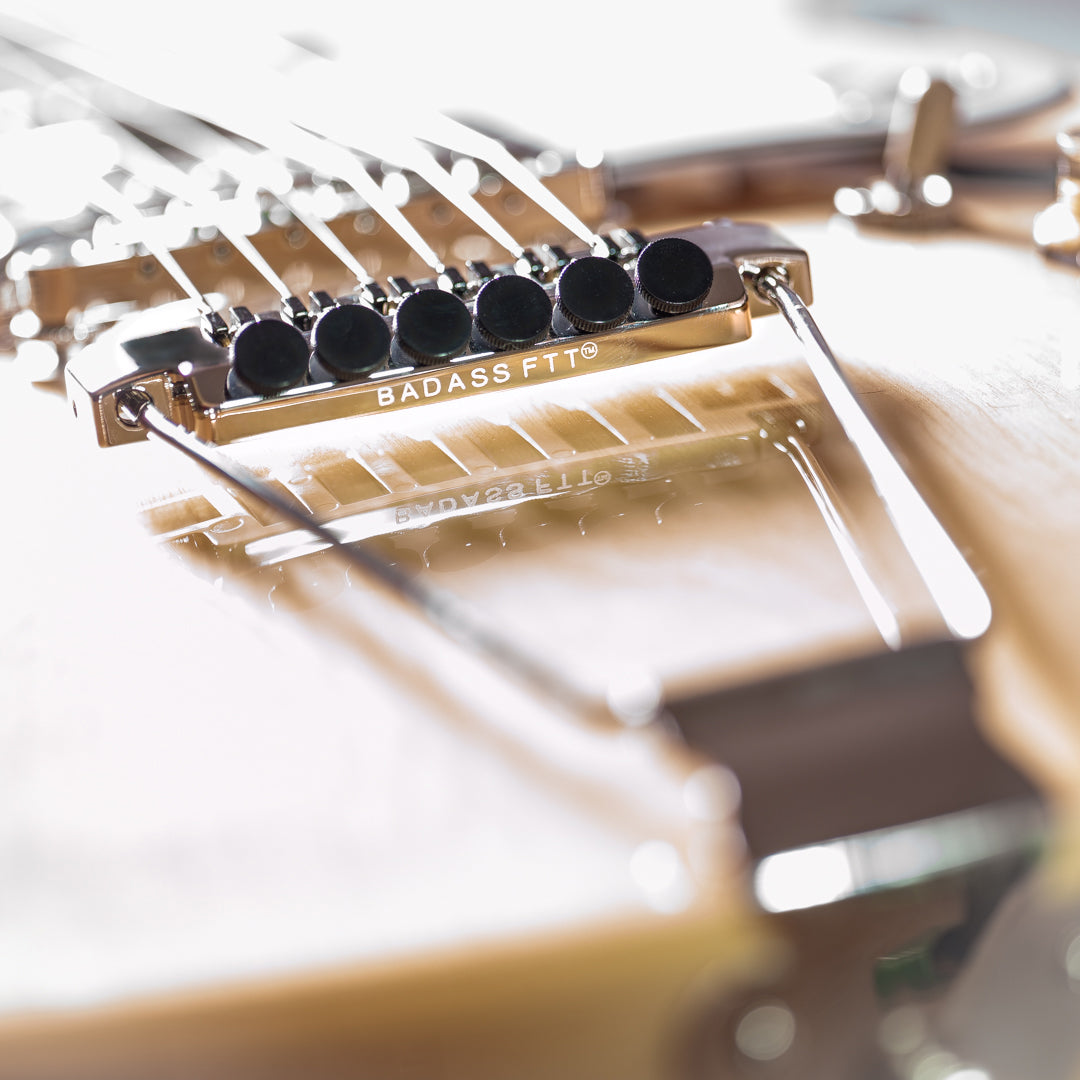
246, 170
44, 32
283, 138
952, 584
191, 137
322, 102
100, 193
816, 481
453, 135
450, 134
149, 166
289, 139
440, 130
444, 610
343, 130
206, 143
107, 199
171, 180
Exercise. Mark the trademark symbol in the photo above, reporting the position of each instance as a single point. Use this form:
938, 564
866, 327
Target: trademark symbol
589, 350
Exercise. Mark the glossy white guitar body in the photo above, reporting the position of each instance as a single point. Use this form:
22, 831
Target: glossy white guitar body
263, 820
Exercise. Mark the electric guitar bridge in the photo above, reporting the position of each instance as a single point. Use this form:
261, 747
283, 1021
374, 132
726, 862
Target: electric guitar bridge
440, 340
350, 357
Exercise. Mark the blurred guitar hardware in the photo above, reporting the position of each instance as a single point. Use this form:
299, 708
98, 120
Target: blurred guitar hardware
1057, 228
